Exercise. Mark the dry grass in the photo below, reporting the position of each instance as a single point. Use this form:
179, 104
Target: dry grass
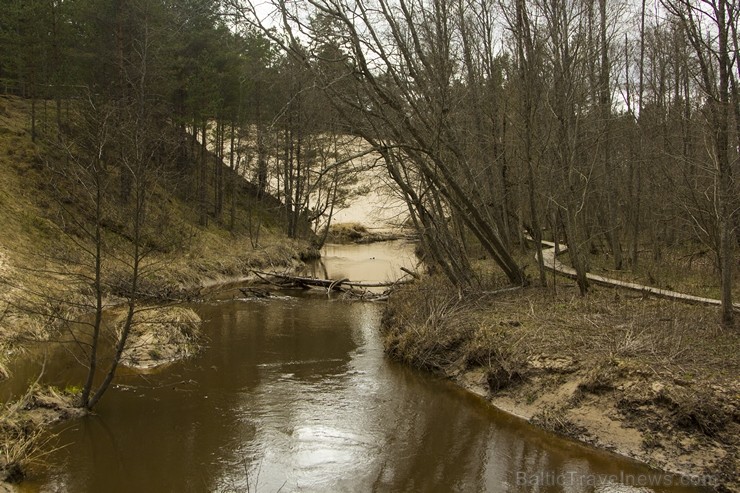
555, 420
346, 232
45, 276
609, 332
24, 439
608, 325
160, 335
426, 326
688, 268
357, 233
667, 369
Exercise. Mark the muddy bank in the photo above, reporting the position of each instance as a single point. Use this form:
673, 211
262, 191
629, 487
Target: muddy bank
22, 429
649, 379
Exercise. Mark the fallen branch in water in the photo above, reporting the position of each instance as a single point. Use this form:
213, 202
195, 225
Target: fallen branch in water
352, 289
335, 285
330, 283
250, 292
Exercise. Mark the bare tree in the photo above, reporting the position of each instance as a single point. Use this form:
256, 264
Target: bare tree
605, 106
398, 62
709, 26
529, 65
124, 137
565, 31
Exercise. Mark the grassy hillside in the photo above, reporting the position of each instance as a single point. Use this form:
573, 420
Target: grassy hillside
43, 242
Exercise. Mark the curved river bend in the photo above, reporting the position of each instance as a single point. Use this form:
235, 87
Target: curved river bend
295, 394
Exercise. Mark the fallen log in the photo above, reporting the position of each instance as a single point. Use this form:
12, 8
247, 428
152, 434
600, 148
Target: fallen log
349, 289
335, 284
250, 292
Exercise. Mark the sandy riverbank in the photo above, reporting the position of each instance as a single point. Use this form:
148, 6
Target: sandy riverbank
649, 379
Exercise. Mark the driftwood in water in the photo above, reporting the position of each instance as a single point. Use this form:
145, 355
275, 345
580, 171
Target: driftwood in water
329, 283
250, 292
354, 289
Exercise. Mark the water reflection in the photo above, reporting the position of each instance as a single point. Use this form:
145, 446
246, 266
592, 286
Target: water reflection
296, 395
374, 262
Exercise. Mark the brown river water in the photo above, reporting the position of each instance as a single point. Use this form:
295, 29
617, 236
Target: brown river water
294, 393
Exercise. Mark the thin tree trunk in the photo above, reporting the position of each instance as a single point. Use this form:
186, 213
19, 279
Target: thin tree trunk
202, 181
605, 103
526, 59
98, 290
634, 250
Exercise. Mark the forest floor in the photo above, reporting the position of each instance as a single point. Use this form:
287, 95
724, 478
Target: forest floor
44, 263
652, 379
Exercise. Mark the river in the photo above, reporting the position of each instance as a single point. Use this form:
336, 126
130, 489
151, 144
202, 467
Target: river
294, 393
